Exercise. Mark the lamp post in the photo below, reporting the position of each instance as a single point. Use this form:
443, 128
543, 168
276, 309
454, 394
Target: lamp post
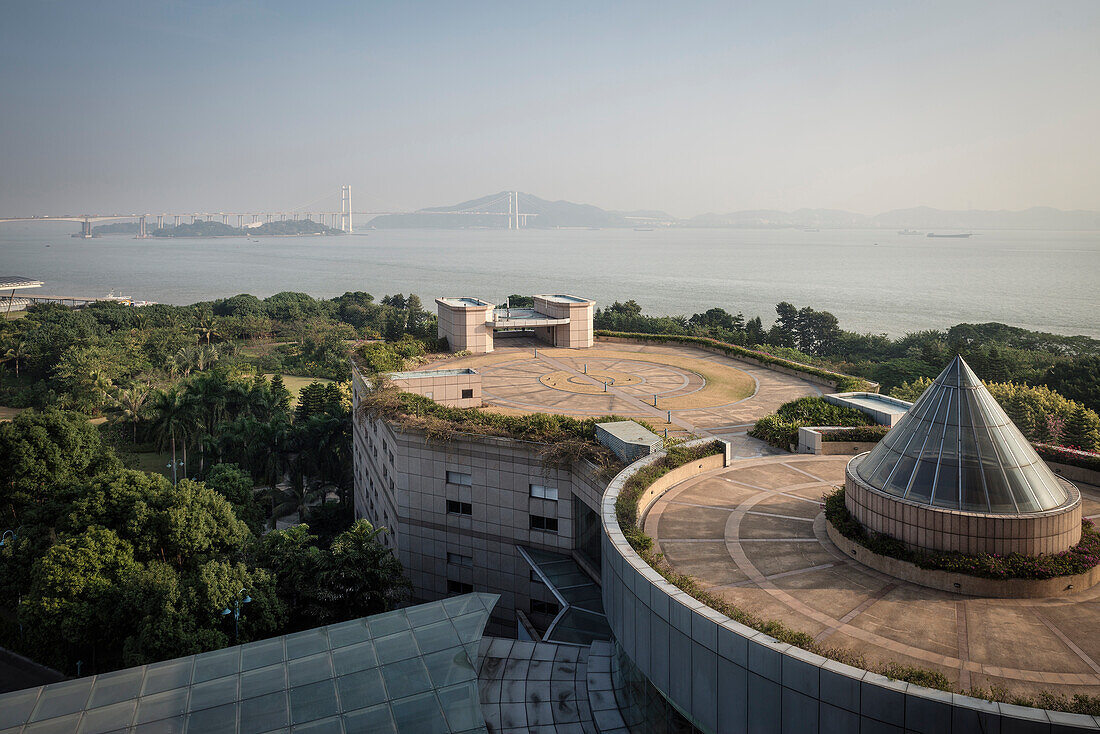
236, 612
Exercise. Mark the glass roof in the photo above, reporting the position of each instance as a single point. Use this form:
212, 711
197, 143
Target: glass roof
581, 619
410, 670
956, 449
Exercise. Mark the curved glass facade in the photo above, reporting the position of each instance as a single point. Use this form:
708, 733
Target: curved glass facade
956, 449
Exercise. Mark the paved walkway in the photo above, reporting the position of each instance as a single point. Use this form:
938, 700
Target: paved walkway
754, 533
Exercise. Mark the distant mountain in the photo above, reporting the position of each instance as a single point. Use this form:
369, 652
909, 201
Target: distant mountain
491, 212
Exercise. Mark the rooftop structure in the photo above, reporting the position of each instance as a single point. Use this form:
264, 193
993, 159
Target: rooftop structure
955, 474
957, 449
458, 388
470, 324
11, 282
628, 439
883, 409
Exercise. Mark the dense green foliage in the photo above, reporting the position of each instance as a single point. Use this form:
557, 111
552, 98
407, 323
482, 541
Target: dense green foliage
1039, 412
780, 429
868, 434
1078, 559
112, 566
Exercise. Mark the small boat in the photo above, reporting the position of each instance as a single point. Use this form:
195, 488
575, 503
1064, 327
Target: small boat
956, 236
909, 232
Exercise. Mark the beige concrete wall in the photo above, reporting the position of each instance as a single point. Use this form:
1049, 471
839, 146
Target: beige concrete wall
577, 334
400, 480
468, 328
445, 389
921, 526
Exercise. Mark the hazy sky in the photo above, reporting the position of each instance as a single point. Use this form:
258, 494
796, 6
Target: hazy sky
688, 107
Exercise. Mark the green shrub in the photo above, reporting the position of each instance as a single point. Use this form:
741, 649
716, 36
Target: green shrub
865, 434
1072, 457
780, 429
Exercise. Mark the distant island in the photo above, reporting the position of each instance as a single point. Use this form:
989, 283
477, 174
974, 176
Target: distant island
199, 228
491, 212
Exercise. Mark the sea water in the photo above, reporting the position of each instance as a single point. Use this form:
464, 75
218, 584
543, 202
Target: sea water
872, 280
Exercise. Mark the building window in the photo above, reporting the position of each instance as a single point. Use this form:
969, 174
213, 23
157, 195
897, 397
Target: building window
549, 524
457, 559
544, 607
457, 477
458, 587
541, 492
390, 455
467, 394
455, 507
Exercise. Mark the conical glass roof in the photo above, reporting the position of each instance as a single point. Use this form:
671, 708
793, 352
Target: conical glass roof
956, 449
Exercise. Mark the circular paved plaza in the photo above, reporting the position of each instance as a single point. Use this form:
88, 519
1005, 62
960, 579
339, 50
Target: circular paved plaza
754, 533
703, 392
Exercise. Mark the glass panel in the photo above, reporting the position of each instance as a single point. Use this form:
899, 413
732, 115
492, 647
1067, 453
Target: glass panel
325, 726
169, 674
117, 686
392, 648
900, 478
263, 714
348, 633
354, 657
425, 614
376, 720
59, 699
461, 706
61, 725
18, 706
214, 693
163, 726
309, 670
921, 488
388, 623
406, 677
304, 644
108, 718
261, 654
161, 706
220, 720
461, 604
216, 664
435, 637
361, 689
315, 701
263, 681
420, 714
470, 626
449, 667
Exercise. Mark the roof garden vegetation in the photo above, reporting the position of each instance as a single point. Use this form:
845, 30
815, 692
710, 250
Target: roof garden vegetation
1080, 558
626, 511
566, 439
780, 429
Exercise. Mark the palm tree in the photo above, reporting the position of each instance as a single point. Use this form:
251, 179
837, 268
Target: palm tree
206, 326
130, 404
16, 352
171, 421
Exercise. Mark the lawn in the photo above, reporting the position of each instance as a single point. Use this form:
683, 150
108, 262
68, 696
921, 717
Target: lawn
295, 383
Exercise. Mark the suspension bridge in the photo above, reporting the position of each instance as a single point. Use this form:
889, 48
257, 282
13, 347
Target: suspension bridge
506, 204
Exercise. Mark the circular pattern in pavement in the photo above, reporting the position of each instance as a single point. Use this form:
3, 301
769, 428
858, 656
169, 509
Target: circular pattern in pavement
587, 384
754, 534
